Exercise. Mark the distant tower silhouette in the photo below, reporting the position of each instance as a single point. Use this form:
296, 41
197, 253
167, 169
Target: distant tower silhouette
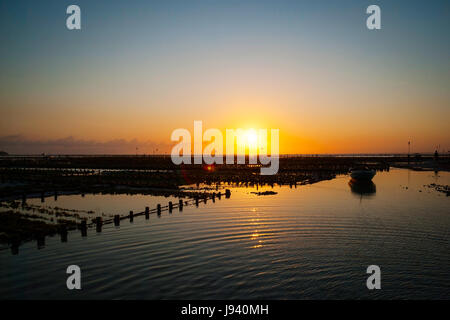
409, 150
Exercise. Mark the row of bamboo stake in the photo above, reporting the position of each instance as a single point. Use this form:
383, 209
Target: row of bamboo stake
99, 222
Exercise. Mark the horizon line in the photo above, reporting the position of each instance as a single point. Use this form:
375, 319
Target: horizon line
168, 155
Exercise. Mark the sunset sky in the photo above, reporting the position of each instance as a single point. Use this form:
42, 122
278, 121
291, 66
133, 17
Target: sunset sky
140, 69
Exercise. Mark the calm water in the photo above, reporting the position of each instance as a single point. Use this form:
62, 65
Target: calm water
309, 242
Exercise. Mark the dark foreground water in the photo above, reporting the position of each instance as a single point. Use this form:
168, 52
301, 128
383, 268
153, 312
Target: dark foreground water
309, 242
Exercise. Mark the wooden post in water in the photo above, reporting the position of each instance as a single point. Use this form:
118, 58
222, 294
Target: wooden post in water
41, 242
83, 227
180, 205
15, 248
63, 233
158, 209
170, 206
98, 224
131, 216
147, 213
117, 220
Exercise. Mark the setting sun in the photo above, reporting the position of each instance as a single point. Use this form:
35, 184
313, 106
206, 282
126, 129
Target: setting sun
252, 138
247, 141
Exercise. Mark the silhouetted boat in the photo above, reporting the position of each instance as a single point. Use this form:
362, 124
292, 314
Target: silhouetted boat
362, 174
363, 188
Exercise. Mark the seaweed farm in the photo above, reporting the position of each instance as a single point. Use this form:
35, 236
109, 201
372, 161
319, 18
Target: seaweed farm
46, 216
